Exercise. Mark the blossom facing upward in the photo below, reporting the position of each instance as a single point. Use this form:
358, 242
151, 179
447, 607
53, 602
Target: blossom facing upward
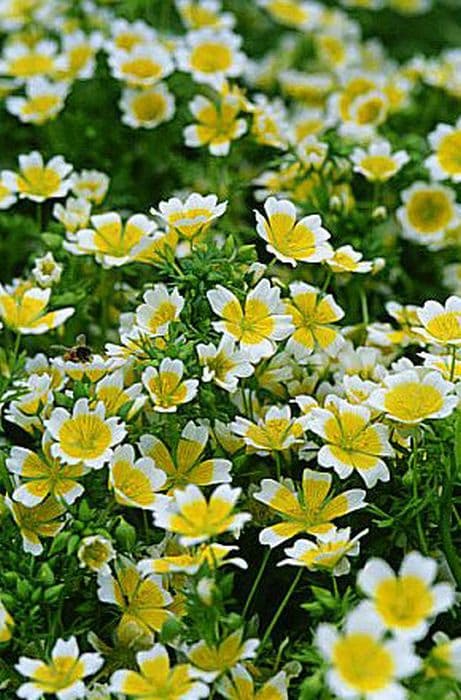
211, 56
353, 442
91, 185
143, 66
156, 678
289, 240
209, 662
37, 180
378, 163
224, 365
62, 676
166, 387
195, 520
85, 436
346, 259
313, 316
135, 482
217, 124
413, 396
147, 107
258, 324
441, 324
160, 308
276, 432
240, 686
311, 511
43, 475
186, 464
444, 163
42, 103
362, 663
427, 212
405, 602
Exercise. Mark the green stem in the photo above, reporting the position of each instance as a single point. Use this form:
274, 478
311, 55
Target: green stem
446, 506
280, 609
278, 464
453, 363
256, 582
414, 469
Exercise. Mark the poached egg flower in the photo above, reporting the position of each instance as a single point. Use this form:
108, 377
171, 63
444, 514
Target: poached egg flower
289, 240
86, 436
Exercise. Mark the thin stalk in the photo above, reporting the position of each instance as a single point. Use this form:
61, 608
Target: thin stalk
280, 609
414, 469
257, 581
453, 466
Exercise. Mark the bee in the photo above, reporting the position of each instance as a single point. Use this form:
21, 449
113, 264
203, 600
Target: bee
80, 352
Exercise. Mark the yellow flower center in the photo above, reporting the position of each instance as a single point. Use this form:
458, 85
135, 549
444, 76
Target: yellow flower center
142, 68
403, 602
445, 327
42, 105
30, 64
412, 401
429, 211
363, 662
39, 181
379, 167
85, 436
449, 153
62, 673
211, 57
149, 106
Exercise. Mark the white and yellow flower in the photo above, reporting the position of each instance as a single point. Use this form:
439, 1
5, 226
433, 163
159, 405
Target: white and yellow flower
196, 14
86, 436
186, 465
113, 393
74, 215
77, 60
296, 14
160, 308
214, 555
135, 482
23, 61
156, 678
142, 600
445, 162
346, 259
289, 240
37, 180
406, 603
311, 511
195, 520
95, 553
444, 659
143, 66
125, 36
62, 676
224, 365
91, 185
211, 56
192, 217
217, 124
240, 686
441, 324
413, 396
353, 442
258, 325
313, 317
275, 432
427, 212
112, 242
42, 475
377, 163
23, 309
166, 386
147, 107
42, 103
42, 520
328, 554
362, 663
209, 662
